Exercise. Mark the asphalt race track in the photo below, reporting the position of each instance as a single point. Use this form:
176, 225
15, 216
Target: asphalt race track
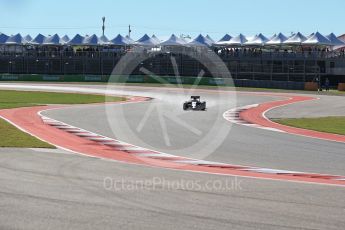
55, 189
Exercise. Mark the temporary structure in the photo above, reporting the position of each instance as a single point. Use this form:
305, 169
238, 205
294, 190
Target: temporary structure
258, 40
295, 39
156, 39
334, 40
239, 40
312, 34
208, 37
130, 39
90, 40
64, 39
147, 41
15, 40
278, 39
174, 41
3, 38
318, 40
52, 40
119, 40
200, 41
103, 40
76, 40
38, 40
224, 39
298, 39
27, 38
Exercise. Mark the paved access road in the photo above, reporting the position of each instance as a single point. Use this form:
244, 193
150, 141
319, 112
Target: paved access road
57, 190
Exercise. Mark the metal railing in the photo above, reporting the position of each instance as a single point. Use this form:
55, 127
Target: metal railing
222, 54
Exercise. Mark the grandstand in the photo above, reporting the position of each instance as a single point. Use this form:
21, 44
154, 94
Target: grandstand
295, 58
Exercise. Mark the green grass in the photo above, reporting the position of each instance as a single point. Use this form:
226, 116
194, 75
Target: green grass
14, 99
324, 124
10, 136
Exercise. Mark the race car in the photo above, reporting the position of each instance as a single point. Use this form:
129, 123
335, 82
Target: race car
194, 104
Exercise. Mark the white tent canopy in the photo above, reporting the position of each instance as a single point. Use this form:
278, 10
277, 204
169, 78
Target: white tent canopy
295, 39
119, 40
174, 41
28, 38
147, 41
298, 39
312, 34
103, 40
76, 40
277, 39
236, 41
187, 38
90, 40
258, 40
200, 41
52, 40
208, 37
64, 39
130, 39
38, 40
156, 39
317, 39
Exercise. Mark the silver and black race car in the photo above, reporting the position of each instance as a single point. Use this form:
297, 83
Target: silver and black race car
194, 104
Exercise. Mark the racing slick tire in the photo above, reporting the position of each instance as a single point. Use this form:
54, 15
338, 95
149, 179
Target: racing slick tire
185, 106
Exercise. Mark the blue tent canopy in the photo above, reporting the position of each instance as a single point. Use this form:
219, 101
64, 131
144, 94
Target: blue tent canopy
39, 39
334, 40
317, 39
52, 40
119, 40
76, 40
147, 41
3, 38
225, 38
15, 40
200, 41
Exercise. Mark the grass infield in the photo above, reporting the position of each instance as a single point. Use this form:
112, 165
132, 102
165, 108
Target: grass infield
324, 124
10, 136
14, 99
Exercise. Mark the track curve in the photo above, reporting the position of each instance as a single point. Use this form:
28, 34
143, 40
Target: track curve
69, 182
242, 145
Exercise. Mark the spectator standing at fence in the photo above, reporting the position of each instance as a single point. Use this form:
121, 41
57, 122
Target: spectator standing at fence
318, 81
327, 84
